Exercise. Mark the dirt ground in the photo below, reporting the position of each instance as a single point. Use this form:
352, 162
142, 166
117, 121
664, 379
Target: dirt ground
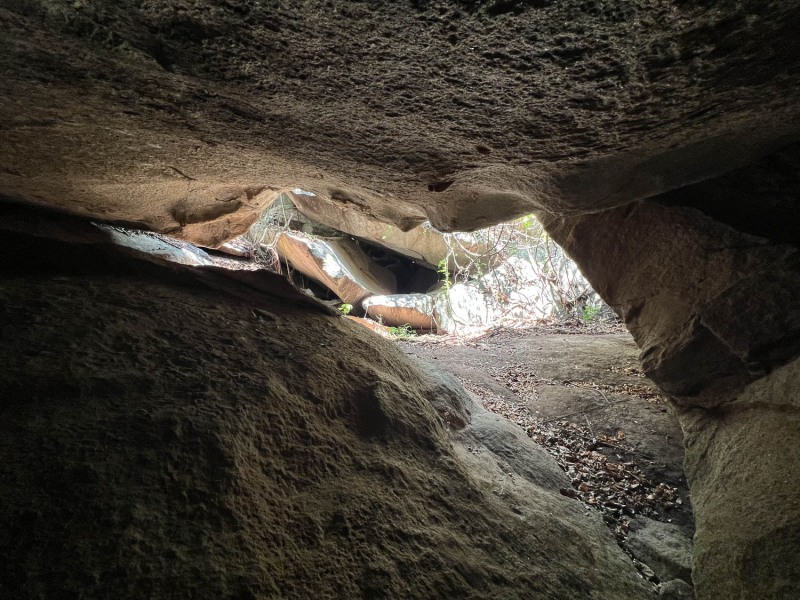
582, 395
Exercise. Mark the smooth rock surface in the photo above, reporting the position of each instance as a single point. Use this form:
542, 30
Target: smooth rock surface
396, 310
177, 251
337, 263
463, 305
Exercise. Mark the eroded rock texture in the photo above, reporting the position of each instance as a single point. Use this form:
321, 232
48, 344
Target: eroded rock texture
613, 118
711, 298
186, 116
176, 433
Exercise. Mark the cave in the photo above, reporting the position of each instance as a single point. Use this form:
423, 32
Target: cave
183, 432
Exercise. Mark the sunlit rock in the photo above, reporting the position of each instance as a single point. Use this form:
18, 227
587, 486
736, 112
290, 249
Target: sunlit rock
160, 246
462, 306
460, 251
397, 310
338, 264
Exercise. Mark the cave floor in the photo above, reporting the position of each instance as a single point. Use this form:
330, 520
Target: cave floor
583, 396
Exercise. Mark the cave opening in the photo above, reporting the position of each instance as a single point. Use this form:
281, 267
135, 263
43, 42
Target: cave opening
416, 281
180, 429
569, 379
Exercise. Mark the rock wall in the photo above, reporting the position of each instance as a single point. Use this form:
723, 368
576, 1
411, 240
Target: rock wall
714, 310
742, 463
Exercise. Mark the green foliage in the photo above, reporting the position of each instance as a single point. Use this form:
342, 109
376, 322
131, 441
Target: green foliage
403, 332
444, 271
528, 222
345, 308
589, 314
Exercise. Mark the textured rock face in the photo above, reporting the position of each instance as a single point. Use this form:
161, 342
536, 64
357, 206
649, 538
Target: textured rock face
189, 117
707, 304
174, 433
742, 460
711, 299
665, 548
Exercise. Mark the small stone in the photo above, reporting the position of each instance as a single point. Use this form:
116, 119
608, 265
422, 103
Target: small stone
677, 589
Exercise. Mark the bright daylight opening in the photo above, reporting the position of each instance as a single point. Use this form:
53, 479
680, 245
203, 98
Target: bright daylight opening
404, 283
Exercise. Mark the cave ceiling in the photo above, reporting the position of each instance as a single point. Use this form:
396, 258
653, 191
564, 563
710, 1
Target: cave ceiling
187, 117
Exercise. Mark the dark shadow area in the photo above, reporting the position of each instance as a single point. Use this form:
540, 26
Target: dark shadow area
761, 199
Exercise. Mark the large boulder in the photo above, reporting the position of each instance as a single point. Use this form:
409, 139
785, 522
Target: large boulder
462, 306
710, 306
711, 300
166, 431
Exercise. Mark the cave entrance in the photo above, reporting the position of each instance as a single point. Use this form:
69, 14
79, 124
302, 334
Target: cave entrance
402, 283
523, 332
421, 280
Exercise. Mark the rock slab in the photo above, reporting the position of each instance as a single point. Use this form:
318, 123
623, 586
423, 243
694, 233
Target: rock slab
665, 548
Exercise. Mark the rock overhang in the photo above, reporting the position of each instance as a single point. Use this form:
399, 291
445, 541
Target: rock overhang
467, 113
189, 117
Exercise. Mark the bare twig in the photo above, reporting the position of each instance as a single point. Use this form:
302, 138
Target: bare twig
181, 173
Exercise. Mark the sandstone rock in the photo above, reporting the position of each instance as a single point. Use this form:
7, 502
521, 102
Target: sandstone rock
467, 149
664, 547
168, 432
416, 310
381, 330
688, 287
677, 589
448, 397
338, 264
513, 447
741, 463
423, 242
685, 286
237, 246
540, 287
283, 214
461, 306
172, 250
